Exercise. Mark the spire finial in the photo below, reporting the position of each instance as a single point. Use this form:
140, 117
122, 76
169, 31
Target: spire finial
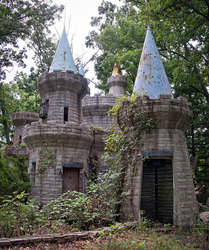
147, 1
65, 14
116, 70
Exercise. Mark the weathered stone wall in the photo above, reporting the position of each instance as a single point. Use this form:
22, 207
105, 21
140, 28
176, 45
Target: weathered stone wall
117, 85
95, 110
48, 186
62, 81
20, 119
14, 150
70, 142
57, 102
63, 89
173, 118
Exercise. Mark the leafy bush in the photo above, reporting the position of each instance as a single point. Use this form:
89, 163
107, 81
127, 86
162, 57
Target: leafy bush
17, 216
82, 211
13, 174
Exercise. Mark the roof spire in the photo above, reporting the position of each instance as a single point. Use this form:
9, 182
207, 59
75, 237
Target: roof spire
116, 70
147, 1
151, 77
63, 59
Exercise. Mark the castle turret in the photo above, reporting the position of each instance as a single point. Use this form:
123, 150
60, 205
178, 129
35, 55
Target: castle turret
59, 144
95, 111
163, 185
117, 82
95, 107
20, 119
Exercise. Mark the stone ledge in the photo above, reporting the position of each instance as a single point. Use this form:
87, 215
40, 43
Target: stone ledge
14, 151
23, 118
60, 238
108, 100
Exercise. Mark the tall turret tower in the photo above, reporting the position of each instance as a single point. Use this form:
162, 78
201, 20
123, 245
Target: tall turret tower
162, 186
58, 143
95, 111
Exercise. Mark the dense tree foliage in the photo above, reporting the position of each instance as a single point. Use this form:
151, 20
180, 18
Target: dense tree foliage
23, 22
16, 180
27, 20
180, 29
24, 26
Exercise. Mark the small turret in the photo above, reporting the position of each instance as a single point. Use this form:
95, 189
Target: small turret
62, 88
163, 186
117, 82
59, 133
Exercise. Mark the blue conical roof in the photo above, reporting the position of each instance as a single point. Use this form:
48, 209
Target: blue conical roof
63, 59
81, 71
151, 77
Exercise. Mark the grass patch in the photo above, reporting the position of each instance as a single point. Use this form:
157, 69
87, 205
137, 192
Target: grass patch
142, 239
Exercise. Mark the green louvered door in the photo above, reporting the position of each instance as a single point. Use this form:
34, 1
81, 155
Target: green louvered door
157, 190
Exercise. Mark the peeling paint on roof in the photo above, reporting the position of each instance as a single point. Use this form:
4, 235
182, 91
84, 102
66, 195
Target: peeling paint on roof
81, 71
151, 77
63, 59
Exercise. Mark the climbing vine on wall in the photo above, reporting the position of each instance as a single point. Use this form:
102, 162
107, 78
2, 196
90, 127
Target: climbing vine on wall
46, 159
93, 159
122, 143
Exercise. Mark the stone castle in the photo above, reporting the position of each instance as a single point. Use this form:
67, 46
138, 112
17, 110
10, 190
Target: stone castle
60, 145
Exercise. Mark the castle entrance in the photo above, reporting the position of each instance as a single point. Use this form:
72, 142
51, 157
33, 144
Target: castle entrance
157, 190
70, 179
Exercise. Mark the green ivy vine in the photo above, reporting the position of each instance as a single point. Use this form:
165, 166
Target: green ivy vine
46, 159
122, 144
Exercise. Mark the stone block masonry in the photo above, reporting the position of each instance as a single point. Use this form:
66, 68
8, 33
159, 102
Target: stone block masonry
172, 120
95, 110
68, 142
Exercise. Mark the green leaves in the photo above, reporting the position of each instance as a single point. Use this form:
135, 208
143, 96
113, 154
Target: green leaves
82, 211
13, 178
119, 39
16, 215
21, 20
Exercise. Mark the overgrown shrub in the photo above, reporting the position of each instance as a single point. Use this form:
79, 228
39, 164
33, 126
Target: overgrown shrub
17, 215
13, 174
83, 211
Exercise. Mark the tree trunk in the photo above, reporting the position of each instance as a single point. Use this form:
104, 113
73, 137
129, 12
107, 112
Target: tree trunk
5, 124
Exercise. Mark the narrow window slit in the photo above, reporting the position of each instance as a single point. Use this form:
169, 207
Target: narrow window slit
66, 108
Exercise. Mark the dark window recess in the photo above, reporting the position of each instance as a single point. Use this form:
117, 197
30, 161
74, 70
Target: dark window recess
33, 172
65, 113
20, 139
44, 109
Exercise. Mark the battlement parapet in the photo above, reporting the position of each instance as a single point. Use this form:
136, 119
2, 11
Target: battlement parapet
95, 109
98, 101
14, 151
62, 81
23, 118
69, 135
167, 112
